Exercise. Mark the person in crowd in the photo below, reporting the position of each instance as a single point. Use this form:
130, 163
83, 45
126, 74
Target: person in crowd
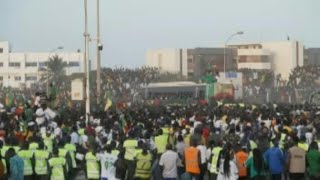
107, 163
296, 161
228, 169
313, 161
28, 160
192, 159
57, 166
16, 165
241, 157
180, 146
92, 166
143, 164
168, 164
257, 166
130, 146
41, 157
275, 159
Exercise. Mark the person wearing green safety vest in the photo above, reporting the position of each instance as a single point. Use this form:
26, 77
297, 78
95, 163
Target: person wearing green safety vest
161, 141
130, 152
214, 160
33, 146
114, 150
27, 156
72, 151
57, 166
41, 157
143, 164
48, 141
64, 153
92, 165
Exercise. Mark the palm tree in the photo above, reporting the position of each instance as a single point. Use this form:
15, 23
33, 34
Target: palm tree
55, 71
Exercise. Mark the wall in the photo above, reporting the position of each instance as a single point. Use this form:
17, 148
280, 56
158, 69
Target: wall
168, 60
8, 73
284, 56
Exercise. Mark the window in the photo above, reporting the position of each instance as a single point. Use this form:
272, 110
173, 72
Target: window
74, 64
1, 64
42, 64
1, 50
31, 78
1, 78
31, 64
14, 64
17, 78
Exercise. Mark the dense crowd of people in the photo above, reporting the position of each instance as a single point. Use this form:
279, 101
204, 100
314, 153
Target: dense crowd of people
199, 141
49, 138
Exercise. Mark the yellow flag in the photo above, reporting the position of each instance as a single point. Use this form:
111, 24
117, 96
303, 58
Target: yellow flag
108, 104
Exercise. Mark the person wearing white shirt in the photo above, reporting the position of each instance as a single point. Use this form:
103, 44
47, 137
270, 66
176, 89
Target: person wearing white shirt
40, 116
107, 160
168, 163
74, 136
203, 152
228, 169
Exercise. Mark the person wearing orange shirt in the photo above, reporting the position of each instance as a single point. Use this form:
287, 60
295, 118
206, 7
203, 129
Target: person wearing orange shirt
241, 157
192, 159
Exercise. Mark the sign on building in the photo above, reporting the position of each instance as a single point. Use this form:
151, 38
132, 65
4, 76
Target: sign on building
77, 93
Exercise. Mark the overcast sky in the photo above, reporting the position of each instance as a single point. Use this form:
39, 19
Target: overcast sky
130, 27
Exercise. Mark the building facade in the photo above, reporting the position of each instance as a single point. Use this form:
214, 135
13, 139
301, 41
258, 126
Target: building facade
312, 56
168, 60
280, 57
22, 69
190, 62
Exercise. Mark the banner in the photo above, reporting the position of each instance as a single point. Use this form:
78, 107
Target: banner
77, 93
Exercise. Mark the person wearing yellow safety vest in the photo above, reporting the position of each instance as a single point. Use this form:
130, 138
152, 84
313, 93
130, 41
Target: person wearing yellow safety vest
161, 141
302, 144
41, 157
28, 159
114, 150
72, 152
64, 153
130, 153
57, 166
217, 147
48, 141
143, 164
92, 166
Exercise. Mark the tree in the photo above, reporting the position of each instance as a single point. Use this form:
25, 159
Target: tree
55, 71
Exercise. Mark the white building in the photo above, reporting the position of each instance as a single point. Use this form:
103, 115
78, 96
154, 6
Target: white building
168, 60
281, 57
23, 69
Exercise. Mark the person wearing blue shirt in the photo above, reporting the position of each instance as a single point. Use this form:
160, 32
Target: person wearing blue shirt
275, 160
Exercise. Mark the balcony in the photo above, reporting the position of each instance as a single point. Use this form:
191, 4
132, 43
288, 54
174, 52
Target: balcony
254, 65
253, 52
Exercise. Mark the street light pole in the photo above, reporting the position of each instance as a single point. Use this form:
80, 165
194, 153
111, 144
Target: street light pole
86, 60
224, 49
98, 53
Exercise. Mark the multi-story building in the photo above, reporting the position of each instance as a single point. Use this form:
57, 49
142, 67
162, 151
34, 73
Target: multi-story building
281, 57
20, 69
312, 56
190, 62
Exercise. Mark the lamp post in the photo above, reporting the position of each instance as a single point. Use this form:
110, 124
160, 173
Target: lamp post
224, 50
47, 69
86, 60
99, 48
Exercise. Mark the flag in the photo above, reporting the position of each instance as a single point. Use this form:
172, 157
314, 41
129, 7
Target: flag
9, 99
108, 104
